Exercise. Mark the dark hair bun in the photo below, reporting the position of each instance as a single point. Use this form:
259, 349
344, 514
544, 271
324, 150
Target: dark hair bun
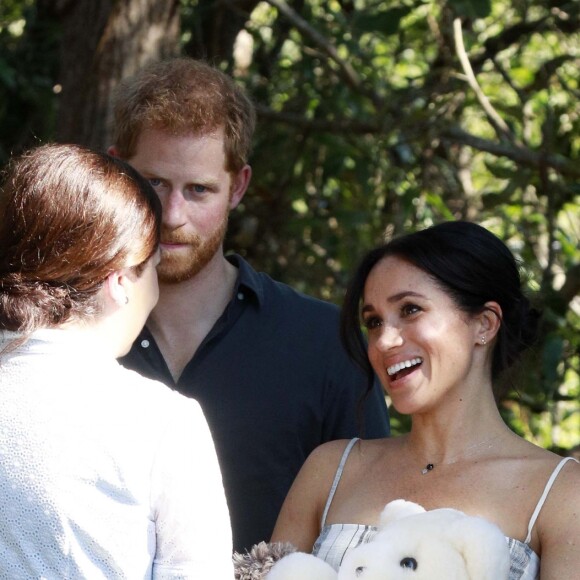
522, 324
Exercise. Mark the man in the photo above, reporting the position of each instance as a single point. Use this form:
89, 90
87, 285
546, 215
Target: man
264, 361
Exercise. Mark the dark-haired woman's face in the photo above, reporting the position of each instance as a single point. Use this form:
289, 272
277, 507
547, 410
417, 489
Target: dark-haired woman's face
419, 343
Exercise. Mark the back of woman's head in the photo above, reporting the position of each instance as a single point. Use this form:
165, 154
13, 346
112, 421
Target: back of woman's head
473, 266
69, 217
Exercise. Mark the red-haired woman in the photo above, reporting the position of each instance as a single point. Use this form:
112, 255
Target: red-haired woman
103, 473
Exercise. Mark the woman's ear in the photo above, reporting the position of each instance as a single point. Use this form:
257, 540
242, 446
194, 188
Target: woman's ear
489, 322
116, 284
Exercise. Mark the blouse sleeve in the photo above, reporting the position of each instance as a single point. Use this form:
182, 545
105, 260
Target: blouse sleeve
192, 523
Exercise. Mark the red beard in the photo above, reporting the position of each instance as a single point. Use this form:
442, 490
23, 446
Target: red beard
183, 264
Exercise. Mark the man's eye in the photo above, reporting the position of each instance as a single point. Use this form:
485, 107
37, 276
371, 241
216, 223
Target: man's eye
199, 189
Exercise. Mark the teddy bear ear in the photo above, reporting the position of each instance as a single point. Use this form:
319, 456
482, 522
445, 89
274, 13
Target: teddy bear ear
399, 508
483, 547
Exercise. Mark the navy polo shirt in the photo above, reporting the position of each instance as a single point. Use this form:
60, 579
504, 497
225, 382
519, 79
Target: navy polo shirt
274, 382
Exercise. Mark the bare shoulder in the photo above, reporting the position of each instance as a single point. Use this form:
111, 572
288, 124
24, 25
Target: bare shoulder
299, 519
558, 526
549, 463
362, 456
545, 466
565, 486
329, 450
322, 464
363, 449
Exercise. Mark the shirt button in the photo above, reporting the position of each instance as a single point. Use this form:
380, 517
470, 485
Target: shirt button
240, 295
145, 343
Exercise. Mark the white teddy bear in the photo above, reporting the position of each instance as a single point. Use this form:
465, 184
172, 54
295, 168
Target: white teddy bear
412, 544
440, 544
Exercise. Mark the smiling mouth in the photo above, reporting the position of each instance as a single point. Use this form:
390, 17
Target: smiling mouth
403, 368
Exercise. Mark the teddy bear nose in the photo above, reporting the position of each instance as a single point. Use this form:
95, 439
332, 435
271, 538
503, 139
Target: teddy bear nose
359, 571
408, 563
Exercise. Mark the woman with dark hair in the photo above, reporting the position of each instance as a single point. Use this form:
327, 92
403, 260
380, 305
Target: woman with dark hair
103, 473
444, 315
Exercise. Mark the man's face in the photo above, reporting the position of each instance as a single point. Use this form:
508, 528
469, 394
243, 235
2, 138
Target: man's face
188, 173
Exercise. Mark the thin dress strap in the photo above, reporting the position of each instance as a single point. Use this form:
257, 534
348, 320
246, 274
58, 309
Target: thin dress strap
544, 496
337, 477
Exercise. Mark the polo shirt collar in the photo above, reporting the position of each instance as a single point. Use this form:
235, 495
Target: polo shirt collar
248, 278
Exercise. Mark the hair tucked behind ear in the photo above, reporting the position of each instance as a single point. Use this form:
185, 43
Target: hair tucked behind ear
69, 217
473, 266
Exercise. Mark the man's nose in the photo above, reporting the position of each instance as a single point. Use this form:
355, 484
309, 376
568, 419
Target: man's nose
173, 206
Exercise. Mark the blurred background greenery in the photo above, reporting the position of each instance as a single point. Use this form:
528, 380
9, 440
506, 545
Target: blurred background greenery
375, 118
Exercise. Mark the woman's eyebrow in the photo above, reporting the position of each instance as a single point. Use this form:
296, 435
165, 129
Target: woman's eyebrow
404, 294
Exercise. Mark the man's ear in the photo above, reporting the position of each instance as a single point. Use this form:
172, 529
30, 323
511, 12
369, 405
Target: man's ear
112, 150
117, 287
489, 321
240, 183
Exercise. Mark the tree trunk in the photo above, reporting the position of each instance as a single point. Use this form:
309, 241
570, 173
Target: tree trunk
103, 42
214, 28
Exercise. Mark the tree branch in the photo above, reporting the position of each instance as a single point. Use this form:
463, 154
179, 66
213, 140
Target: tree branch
507, 37
517, 153
496, 121
337, 126
512, 151
571, 287
348, 72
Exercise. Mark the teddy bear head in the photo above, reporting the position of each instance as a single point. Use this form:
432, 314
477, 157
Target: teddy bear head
440, 544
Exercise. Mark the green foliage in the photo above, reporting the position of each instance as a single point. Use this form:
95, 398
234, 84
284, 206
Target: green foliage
373, 130
369, 126
381, 21
28, 60
471, 8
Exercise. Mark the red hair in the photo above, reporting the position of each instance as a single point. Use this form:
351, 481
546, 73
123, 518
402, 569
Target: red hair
69, 217
183, 96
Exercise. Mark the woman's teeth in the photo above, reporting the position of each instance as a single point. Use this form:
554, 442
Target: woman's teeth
403, 365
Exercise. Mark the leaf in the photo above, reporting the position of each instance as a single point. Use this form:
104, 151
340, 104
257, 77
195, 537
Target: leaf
384, 22
502, 170
551, 357
437, 203
471, 8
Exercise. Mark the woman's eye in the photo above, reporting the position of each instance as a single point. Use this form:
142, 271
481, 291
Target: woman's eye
155, 182
371, 322
410, 309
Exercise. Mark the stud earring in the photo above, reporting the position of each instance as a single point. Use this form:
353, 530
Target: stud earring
483, 340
